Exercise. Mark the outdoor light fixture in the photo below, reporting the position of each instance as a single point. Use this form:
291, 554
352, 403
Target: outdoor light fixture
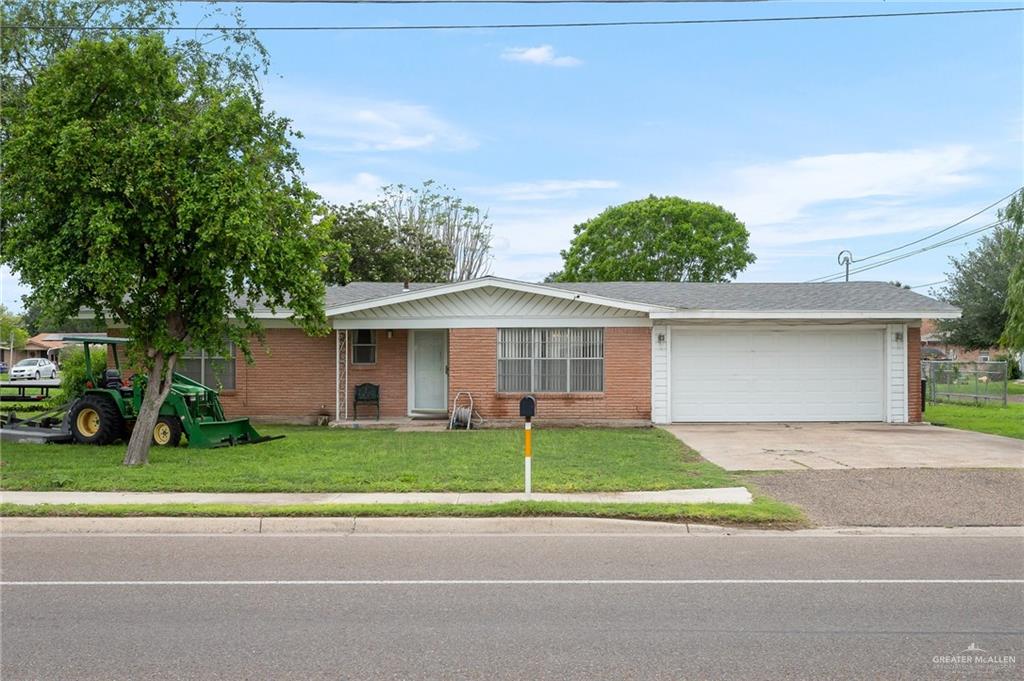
390, 333
899, 336
661, 338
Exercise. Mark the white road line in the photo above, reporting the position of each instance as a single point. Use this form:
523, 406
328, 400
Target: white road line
496, 582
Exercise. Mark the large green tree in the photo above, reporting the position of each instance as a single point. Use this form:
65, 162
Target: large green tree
1013, 332
34, 32
37, 320
660, 238
380, 250
143, 186
980, 281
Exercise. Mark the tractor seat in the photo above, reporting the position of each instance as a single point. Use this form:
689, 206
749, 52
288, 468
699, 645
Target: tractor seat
111, 378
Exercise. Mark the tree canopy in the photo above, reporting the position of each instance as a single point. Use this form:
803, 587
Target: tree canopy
1013, 332
979, 284
436, 211
143, 186
384, 251
239, 59
660, 238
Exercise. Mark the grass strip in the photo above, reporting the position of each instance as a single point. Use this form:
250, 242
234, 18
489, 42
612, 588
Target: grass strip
763, 512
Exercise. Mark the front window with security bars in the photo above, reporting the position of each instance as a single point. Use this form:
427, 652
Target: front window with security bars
551, 360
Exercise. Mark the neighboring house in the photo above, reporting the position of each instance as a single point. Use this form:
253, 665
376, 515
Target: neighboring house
934, 346
49, 345
616, 352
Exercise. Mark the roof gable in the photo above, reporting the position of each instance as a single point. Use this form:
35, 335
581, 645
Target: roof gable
424, 292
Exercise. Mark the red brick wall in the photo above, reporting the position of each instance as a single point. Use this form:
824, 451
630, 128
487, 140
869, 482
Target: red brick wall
914, 374
627, 380
389, 373
296, 380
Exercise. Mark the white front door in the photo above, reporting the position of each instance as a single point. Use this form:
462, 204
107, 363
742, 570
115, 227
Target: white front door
428, 360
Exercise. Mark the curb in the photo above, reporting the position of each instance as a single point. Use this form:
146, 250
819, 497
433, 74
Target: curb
454, 526
721, 495
335, 525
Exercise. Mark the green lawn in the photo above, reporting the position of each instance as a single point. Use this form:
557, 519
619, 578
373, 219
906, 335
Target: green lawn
989, 389
995, 419
313, 459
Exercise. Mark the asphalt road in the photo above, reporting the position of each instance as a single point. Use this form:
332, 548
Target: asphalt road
510, 607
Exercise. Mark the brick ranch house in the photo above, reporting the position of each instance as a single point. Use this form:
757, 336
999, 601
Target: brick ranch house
645, 352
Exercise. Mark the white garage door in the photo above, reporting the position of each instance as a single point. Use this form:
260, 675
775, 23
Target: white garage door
777, 375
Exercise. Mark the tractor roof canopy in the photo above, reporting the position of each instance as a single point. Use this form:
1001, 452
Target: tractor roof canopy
96, 340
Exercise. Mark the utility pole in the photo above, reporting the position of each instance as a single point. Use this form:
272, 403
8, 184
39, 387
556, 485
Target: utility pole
845, 258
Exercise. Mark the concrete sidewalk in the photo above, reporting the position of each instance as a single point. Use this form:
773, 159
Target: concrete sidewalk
722, 495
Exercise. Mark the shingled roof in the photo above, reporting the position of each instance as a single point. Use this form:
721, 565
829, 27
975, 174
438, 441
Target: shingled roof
859, 296
854, 296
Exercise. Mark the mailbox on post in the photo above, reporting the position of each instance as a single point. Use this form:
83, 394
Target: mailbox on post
527, 409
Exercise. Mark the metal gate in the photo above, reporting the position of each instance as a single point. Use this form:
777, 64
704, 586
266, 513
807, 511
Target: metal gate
973, 382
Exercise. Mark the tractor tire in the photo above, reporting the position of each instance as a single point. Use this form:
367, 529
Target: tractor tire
167, 432
96, 421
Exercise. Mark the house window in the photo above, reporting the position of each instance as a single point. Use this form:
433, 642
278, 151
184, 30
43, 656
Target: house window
550, 360
364, 347
216, 371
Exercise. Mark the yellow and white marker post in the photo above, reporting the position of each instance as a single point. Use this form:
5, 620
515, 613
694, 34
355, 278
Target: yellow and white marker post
528, 447
527, 409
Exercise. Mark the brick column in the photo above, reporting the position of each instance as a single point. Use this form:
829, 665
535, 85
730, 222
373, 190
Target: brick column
914, 374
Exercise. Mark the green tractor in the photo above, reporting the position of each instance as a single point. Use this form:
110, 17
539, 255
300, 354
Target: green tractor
107, 410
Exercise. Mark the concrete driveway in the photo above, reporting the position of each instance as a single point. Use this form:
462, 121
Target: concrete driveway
803, 446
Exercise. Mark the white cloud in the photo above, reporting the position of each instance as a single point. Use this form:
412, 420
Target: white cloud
845, 196
542, 189
362, 187
532, 236
542, 54
353, 124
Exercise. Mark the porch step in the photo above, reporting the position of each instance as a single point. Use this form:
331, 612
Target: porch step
430, 415
414, 426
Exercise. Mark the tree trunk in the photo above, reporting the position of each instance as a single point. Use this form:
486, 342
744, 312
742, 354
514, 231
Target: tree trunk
157, 388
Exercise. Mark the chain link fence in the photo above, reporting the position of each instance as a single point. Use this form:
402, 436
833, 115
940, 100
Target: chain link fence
971, 382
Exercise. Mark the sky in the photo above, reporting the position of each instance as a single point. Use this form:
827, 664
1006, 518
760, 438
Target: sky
820, 136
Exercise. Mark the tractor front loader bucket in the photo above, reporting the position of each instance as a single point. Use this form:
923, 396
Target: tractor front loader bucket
228, 433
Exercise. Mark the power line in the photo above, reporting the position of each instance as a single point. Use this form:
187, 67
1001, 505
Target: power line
944, 229
924, 238
934, 283
904, 256
564, 24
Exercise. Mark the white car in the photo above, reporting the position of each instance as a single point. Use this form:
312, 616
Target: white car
33, 369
